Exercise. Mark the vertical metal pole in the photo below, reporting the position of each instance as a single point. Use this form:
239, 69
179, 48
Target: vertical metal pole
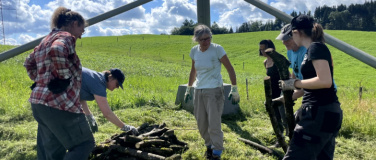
203, 12
2, 22
18, 50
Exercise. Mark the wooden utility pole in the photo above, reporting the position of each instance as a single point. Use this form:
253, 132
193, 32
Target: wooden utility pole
270, 110
283, 69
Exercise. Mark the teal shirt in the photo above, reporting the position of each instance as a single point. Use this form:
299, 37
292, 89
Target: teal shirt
296, 59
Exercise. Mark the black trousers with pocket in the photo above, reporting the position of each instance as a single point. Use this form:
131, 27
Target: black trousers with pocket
62, 134
314, 135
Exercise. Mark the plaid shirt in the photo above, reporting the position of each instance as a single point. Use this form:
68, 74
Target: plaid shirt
55, 57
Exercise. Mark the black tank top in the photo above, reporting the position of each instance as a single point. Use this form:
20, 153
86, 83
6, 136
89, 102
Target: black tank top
272, 72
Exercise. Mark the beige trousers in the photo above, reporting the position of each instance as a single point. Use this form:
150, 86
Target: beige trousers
208, 107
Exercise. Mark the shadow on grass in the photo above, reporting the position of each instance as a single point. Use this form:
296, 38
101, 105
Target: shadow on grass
231, 121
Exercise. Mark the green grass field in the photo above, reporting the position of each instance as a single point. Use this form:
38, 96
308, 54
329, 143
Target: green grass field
155, 65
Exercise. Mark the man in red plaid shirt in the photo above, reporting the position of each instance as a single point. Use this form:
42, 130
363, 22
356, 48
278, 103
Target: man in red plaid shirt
55, 58
63, 132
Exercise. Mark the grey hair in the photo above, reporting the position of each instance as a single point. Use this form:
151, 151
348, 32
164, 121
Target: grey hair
199, 31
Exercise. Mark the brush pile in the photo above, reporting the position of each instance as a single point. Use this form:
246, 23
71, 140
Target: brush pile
154, 142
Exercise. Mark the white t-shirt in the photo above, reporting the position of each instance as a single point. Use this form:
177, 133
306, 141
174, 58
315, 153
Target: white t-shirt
208, 66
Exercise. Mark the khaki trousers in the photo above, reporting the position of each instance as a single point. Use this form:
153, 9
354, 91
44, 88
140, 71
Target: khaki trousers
208, 107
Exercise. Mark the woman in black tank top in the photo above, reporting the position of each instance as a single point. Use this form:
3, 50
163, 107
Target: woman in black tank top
272, 72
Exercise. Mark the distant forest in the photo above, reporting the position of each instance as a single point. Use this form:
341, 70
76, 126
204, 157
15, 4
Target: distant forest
360, 17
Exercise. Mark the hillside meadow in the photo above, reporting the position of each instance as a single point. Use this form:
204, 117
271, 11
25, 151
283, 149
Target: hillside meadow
155, 65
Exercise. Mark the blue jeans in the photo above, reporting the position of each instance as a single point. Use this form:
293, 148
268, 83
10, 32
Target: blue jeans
62, 134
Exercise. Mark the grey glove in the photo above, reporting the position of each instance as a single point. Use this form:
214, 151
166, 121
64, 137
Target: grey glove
234, 95
187, 95
287, 84
127, 128
92, 123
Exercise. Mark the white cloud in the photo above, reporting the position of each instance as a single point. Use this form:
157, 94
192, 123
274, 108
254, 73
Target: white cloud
309, 5
10, 41
25, 38
31, 21
237, 12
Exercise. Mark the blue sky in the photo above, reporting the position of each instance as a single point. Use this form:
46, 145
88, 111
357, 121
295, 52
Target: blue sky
30, 19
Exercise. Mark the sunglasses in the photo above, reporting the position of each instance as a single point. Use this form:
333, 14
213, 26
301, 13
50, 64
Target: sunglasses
205, 39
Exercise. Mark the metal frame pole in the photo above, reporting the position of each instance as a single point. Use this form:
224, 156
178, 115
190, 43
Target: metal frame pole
23, 48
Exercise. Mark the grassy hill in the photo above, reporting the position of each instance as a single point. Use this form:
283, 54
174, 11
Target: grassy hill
155, 65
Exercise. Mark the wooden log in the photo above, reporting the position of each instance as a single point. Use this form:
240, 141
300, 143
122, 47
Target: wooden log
168, 133
100, 149
131, 139
163, 151
178, 148
148, 143
174, 140
155, 132
163, 125
143, 126
138, 153
283, 69
261, 148
116, 137
270, 110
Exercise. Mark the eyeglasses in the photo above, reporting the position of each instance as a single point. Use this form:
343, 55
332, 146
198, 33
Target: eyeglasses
205, 39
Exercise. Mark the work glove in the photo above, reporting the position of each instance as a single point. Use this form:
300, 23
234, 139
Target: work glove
187, 95
92, 123
234, 95
127, 128
287, 84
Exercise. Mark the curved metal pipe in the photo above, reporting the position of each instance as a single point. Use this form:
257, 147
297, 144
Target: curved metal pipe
23, 48
344, 47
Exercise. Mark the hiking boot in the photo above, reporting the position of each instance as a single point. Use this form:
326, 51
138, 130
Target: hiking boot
209, 153
215, 157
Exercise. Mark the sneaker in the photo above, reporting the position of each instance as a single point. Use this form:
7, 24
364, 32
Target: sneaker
215, 157
209, 153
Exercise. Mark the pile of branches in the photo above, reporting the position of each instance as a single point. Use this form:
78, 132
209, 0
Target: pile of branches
154, 142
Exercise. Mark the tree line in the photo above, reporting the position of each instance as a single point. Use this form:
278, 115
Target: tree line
187, 28
360, 17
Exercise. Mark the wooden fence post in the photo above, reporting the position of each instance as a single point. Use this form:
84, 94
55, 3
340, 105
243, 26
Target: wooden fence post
360, 91
246, 84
